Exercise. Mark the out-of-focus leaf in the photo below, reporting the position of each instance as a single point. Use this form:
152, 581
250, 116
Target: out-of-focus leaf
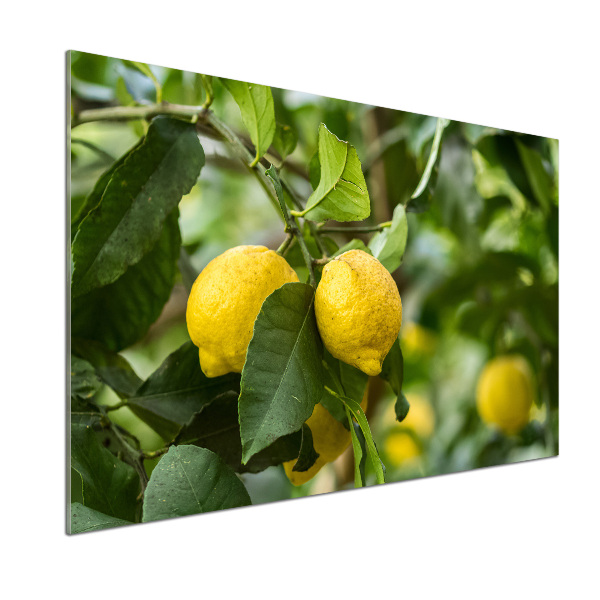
388, 245
285, 140
258, 112
139, 196
189, 480
282, 376
421, 197
119, 314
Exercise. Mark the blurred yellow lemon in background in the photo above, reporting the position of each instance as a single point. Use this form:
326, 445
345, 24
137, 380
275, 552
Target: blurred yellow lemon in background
417, 340
225, 301
505, 393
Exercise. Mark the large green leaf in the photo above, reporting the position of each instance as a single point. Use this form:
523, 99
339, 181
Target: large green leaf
85, 519
342, 192
93, 198
177, 390
189, 480
421, 197
111, 368
140, 195
282, 376
388, 245
258, 112
216, 427
119, 314
108, 484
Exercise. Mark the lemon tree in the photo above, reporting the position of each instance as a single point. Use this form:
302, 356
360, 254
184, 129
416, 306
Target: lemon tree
236, 290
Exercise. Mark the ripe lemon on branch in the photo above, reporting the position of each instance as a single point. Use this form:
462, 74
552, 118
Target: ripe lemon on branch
505, 393
225, 301
358, 310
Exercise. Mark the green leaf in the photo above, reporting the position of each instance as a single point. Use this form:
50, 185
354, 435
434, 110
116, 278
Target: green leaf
108, 485
342, 192
392, 369
258, 112
93, 198
84, 381
282, 376
119, 314
540, 180
347, 380
354, 410
401, 408
140, 195
314, 171
189, 480
85, 519
421, 197
388, 245
111, 368
144, 69
354, 244
285, 140
308, 455
216, 427
177, 390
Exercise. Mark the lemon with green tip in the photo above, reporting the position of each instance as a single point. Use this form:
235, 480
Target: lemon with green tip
225, 301
358, 310
505, 393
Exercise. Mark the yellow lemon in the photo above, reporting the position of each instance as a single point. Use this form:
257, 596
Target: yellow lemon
225, 301
417, 340
330, 440
505, 393
358, 310
400, 447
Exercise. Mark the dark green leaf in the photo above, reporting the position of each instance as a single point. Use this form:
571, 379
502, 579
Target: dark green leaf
401, 408
119, 314
189, 480
421, 197
285, 140
85, 519
140, 195
282, 376
93, 198
392, 369
308, 455
342, 192
258, 111
84, 381
108, 485
388, 245
177, 390
112, 368
216, 427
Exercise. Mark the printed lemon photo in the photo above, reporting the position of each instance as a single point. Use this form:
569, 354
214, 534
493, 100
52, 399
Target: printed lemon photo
275, 295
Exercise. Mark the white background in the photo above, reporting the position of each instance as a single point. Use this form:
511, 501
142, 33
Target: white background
520, 531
